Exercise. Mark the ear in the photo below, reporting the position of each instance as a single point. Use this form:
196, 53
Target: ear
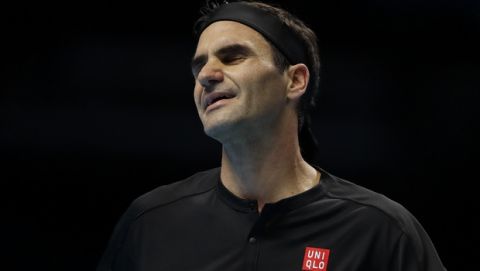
298, 75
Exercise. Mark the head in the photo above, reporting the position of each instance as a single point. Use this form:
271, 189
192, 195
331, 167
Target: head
280, 41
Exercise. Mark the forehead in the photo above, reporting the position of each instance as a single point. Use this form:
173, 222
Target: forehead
224, 33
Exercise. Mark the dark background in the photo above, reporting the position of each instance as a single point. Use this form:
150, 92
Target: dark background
96, 109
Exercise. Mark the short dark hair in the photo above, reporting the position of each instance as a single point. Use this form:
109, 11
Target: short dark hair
309, 39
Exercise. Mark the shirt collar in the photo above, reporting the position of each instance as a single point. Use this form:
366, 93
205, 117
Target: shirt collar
282, 206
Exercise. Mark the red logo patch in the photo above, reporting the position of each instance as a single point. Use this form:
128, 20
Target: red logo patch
315, 259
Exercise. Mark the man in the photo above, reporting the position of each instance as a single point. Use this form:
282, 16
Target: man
266, 208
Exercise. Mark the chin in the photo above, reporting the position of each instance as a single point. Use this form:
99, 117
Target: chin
216, 132
219, 130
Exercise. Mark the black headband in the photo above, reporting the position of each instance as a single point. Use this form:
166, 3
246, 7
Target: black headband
266, 24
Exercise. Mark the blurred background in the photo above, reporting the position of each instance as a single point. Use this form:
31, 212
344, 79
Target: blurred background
96, 109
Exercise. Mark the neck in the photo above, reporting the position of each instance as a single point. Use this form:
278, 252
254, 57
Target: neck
267, 167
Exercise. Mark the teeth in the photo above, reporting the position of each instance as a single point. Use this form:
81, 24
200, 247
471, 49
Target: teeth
218, 98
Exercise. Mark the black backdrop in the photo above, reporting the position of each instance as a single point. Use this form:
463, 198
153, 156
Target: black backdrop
96, 109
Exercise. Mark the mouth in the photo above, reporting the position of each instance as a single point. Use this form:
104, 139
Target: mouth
217, 98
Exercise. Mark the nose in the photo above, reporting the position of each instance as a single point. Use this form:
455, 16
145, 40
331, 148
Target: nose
210, 74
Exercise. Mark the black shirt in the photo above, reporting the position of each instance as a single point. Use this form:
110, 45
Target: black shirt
197, 224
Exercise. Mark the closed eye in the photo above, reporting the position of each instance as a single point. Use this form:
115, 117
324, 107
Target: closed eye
197, 64
234, 53
229, 55
230, 60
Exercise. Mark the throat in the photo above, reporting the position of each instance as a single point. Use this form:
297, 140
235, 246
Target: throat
268, 183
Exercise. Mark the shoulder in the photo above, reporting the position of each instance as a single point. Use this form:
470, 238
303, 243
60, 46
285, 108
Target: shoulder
393, 228
370, 204
198, 183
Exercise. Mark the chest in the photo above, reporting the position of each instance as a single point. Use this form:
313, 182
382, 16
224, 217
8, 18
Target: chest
248, 241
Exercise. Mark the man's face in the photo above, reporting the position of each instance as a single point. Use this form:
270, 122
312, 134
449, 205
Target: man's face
238, 89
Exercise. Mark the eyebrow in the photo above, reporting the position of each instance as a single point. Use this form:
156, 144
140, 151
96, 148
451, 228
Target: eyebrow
229, 50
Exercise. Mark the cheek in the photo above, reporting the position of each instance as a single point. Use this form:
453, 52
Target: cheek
269, 88
197, 94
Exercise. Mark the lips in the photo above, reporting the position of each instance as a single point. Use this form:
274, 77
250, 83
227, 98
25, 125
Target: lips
214, 97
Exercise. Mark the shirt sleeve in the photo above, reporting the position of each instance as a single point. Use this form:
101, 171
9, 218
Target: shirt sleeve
415, 251
117, 257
